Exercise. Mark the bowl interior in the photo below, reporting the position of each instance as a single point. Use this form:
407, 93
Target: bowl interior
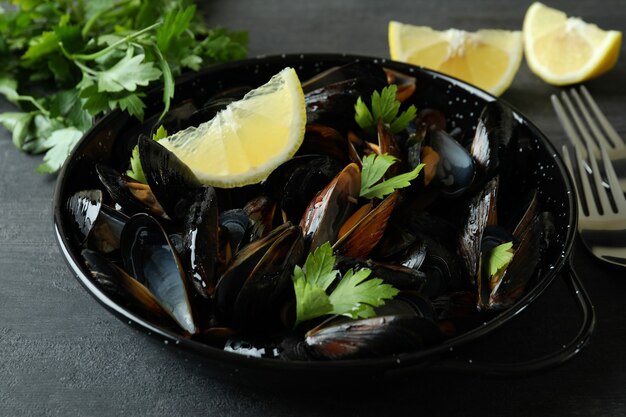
110, 142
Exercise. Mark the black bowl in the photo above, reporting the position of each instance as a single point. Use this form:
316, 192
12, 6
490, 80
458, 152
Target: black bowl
112, 138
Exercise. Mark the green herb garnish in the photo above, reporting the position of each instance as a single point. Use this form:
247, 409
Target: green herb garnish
136, 171
385, 107
65, 62
500, 258
355, 296
374, 168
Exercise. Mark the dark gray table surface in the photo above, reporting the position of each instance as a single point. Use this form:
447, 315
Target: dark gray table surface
62, 354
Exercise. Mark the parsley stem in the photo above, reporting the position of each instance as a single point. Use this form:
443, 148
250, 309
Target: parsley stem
34, 103
168, 80
86, 69
102, 52
90, 23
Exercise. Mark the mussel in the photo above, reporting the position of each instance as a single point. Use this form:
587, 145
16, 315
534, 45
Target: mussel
131, 196
149, 257
329, 209
172, 182
99, 225
200, 241
404, 324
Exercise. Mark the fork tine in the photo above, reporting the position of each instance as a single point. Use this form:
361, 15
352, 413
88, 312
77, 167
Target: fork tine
597, 133
605, 204
568, 164
617, 140
584, 132
587, 194
616, 190
565, 122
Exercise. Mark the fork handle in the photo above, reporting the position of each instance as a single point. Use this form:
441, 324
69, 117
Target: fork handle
562, 355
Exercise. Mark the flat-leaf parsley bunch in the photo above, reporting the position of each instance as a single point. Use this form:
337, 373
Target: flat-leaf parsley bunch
65, 62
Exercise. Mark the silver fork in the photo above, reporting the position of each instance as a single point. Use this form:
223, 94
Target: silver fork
601, 201
595, 129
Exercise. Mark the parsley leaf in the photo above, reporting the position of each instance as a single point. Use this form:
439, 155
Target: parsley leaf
319, 267
19, 124
222, 45
385, 107
312, 301
374, 168
127, 74
130, 103
174, 25
500, 258
355, 296
136, 170
41, 45
59, 144
363, 116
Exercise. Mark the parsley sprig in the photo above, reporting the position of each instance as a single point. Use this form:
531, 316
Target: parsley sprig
374, 168
355, 295
90, 57
385, 107
500, 258
136, 170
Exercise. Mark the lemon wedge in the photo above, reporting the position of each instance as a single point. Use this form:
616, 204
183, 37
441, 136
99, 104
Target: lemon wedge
565, 50
247, 140
487, 58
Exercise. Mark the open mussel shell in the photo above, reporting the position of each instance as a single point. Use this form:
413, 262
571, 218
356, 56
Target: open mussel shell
264, 215
494, 132
172, 182
295, 182
399, 276
201, 243
342, 338
84, 208
530, 238
268, 287
454, 164
149, 257
440, 267
481, 208
232, 280
388, 145
361, 238
330, 208
235, 225
128, 291
132, 196
98, 224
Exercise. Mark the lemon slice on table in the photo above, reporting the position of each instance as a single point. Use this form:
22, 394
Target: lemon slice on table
244, 142
565, 50
487, 58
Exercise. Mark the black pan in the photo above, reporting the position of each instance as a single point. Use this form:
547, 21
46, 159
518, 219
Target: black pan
112, 138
